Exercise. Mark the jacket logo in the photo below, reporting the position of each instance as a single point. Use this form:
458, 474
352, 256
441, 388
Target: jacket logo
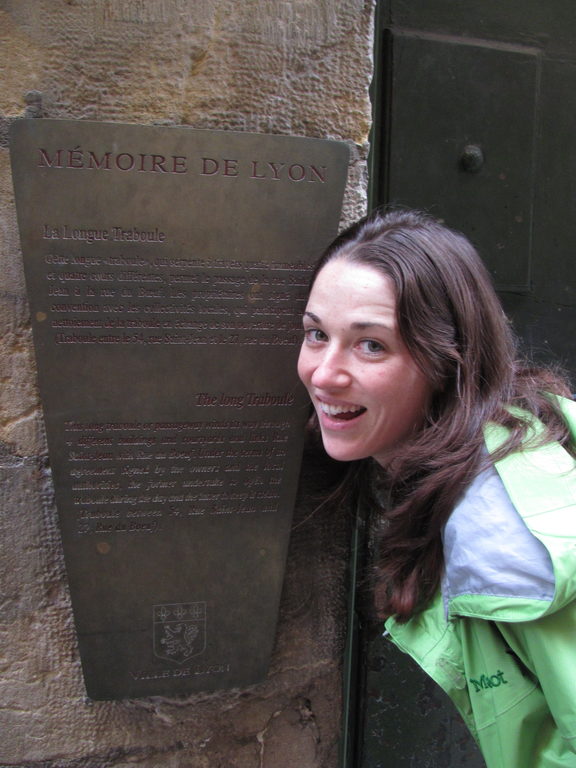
489, 681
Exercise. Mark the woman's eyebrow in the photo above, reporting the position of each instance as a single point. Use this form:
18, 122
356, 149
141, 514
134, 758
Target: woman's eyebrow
356, 326
362, 326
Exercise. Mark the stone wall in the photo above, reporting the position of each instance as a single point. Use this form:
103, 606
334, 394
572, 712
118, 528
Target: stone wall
298, 67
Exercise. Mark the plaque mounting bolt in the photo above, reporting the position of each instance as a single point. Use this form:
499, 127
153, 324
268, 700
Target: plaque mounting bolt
33, 101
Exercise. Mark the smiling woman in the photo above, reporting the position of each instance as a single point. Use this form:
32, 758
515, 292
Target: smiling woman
368, 392
412, 369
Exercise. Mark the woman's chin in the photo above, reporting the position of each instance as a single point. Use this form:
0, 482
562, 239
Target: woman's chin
342, 452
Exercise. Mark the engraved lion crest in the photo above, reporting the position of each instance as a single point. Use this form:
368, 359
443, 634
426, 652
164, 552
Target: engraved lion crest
179, 631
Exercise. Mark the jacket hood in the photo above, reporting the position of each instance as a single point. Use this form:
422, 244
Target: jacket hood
510, 544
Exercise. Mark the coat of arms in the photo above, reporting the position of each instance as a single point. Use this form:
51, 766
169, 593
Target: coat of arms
179, 631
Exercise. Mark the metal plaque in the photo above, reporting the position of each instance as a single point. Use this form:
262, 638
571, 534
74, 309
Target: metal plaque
166, 270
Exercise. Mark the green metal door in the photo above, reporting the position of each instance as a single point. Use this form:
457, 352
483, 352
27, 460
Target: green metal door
475, 107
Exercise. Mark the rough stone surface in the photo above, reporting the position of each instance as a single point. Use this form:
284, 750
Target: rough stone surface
299, 67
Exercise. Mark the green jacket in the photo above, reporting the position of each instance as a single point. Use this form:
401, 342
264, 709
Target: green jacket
500, 637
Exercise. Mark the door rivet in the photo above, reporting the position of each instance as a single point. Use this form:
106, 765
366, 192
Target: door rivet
472, 158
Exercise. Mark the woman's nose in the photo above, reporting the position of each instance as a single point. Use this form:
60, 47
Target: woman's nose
331, 371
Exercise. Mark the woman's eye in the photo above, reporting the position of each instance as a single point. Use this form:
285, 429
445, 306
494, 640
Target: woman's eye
314, 335
371, 346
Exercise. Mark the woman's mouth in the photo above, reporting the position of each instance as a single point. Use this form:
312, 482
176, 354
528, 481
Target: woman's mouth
341, 412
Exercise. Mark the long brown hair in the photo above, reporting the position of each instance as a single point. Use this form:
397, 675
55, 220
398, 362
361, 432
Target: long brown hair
452, 322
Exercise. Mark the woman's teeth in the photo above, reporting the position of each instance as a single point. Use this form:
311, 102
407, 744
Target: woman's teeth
341, 411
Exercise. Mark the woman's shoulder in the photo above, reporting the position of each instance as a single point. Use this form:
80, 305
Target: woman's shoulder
510, 543
489, 550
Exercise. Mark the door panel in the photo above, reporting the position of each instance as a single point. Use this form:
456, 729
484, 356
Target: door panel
409, 722
501, 77
547, 25
461, 142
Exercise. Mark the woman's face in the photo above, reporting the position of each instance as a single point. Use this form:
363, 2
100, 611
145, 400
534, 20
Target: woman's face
368, 392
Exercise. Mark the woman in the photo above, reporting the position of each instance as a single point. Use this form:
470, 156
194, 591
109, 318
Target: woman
411, 366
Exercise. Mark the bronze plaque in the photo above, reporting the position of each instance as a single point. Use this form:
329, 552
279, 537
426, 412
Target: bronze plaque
166, 271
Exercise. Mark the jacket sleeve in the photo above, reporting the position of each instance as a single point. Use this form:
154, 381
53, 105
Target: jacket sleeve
547, 647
